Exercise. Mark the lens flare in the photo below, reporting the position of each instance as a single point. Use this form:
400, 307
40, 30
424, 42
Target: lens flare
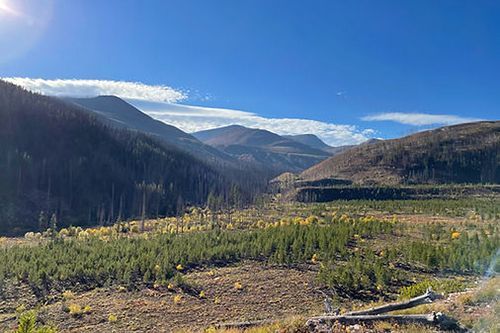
7, 9
22, 25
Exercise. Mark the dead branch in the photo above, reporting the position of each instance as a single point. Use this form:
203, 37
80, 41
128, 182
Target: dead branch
245, 324
429, 297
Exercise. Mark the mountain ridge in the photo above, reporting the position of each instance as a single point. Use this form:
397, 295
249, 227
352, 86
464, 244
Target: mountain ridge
121, 114
264, 148
459, 153
311, 140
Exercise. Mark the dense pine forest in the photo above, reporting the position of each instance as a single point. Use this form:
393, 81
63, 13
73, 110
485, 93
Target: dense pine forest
61, 166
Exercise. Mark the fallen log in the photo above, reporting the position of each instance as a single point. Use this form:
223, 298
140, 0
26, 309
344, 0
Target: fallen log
429, 297
245, 324
443, 322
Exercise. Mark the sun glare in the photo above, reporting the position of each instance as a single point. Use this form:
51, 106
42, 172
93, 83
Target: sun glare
22, 24
6, 9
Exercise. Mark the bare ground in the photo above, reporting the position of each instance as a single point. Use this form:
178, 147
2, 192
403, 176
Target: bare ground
267, 293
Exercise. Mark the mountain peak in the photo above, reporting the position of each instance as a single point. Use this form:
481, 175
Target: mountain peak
119, 113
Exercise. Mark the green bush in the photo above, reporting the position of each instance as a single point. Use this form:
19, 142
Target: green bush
440, 286
27, 324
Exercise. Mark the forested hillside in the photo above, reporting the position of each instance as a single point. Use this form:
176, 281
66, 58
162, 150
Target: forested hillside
263, 149
58, 163
467, 153
118, 113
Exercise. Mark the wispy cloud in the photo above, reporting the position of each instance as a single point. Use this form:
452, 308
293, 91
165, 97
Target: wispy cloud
196, 118
419, 119
91, 88
160, 103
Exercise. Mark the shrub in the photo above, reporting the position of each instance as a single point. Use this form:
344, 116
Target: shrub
315, 258
68, 295
77, 311
311, 220
441, 286
27, 324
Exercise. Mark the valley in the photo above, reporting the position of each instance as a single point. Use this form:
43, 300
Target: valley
273, 262
113, 221
249, 166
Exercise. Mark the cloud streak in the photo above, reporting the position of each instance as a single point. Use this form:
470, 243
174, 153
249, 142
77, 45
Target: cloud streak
161, 103
419, 119
196, 118
92, 88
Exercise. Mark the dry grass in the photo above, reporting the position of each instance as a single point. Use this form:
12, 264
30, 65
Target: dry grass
268, 293
488, 292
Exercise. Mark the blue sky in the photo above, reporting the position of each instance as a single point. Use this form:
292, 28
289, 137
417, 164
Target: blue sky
369, 66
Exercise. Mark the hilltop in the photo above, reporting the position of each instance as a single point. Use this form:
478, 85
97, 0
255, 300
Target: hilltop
466, 153
262, 148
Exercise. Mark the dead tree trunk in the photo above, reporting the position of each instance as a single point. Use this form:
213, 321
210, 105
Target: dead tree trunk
244, 324
143, 213
429, 297
326, 322
322, 323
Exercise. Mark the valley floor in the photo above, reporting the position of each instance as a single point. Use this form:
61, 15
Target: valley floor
266, 293
287, 295
285, 291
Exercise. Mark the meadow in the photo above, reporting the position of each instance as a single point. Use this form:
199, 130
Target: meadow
354, 252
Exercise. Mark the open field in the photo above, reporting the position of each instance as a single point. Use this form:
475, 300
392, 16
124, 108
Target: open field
276, 261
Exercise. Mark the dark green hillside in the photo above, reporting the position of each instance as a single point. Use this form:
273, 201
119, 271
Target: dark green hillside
56, 159
466, 153
118, 113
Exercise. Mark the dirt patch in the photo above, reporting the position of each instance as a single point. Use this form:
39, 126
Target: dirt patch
421, 218
266, 293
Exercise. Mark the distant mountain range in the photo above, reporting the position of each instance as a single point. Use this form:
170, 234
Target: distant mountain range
315, 142
265, 149
310, 140
118, 113
95, 160
237, 147
466, 153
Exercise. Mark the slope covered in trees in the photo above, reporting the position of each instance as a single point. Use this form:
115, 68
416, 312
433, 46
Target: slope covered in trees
264, 149
118, 113
57, 161
467, 153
